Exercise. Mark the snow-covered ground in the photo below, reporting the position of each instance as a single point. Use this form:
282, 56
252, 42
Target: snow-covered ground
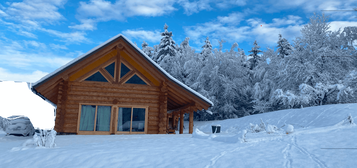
321, 138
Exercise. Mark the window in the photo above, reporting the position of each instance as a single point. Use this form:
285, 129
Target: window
136, 80
103, 118
123, 70
131, 119
87, 118
111, 69
124, 119
95, 118
138, 120
98, 77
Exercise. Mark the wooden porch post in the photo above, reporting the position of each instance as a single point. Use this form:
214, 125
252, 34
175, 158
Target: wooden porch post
191, 123
181, 122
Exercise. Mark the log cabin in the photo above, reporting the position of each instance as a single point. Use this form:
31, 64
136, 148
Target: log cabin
115, 88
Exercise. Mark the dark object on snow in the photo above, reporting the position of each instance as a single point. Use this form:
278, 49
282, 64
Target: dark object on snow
19, 125
216, 128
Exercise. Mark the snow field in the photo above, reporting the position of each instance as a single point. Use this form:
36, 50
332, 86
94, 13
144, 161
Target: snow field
321, 138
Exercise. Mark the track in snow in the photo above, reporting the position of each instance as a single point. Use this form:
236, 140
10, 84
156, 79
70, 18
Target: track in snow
308, 154
288, 160
214, 159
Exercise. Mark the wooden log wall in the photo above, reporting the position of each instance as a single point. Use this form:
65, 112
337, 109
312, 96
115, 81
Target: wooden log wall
61, 106
163, 109
111, 94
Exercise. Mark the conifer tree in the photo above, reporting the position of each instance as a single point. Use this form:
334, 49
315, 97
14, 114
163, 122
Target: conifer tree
206, 50
167, 46
255, 58
284, 47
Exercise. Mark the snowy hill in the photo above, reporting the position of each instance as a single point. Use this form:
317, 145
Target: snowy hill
322, 137
305, 118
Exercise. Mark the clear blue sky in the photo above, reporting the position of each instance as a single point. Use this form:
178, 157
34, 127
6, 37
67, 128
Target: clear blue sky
39, 36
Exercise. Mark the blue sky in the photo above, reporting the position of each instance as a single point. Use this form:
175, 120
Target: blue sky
39, 36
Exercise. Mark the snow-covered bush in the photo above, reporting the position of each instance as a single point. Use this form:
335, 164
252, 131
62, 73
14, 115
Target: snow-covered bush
271, 128
289, 129
257, 128
254, 128
45, 138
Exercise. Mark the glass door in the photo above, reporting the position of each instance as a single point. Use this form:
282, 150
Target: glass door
95, 118
131, 120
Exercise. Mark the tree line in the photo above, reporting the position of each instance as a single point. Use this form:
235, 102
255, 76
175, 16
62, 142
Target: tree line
318, 68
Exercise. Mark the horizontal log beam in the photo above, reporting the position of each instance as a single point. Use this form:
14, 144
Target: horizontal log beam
185, 107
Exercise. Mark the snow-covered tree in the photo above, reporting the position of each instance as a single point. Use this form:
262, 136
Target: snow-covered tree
147, 49
263, 80
284, 47
318, 57
349, 34
312, 71
184, 44
185, 54
254, 57
311, 74
167, 47
206, 50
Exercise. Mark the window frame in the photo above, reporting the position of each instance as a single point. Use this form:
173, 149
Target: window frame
108, 81
119, 71
94, 132
129, 77
130, 74
113, 119
131, 119
103, 72
115, 69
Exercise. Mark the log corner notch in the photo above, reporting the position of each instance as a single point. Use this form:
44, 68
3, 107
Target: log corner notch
163, 108
61, 105
179, 113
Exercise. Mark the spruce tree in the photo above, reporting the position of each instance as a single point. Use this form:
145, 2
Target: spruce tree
167, 46
206, 50
255, 58
284, 47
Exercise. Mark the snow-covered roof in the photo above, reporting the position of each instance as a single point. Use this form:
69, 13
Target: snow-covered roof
92, 51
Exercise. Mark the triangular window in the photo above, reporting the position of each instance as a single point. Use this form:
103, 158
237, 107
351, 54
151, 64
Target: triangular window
98, 77
136, 80
110, 68
123, 70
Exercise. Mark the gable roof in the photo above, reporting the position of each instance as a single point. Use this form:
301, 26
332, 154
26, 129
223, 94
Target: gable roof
117, 37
